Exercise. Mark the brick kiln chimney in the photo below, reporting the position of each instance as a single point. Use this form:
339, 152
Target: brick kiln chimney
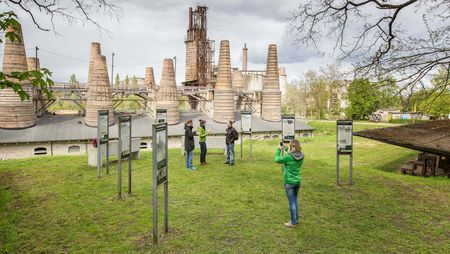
271, 94
99, 93
95, 51
244, 57
149, 78
167, 95
33, 63
14, 113
223, 90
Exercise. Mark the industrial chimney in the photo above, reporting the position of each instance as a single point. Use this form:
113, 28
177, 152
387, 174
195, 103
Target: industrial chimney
223, 90
33, 63
271, 94
149, 78
244, 57
14, 113
95, 52
167, 95
99, 94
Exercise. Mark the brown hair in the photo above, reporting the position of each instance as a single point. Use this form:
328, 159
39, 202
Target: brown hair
189, 122
295, 146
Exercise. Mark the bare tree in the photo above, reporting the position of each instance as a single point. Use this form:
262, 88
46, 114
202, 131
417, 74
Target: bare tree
370, 33
73, 11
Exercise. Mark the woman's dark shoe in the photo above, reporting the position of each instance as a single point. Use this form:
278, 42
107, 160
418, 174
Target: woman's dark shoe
227, 162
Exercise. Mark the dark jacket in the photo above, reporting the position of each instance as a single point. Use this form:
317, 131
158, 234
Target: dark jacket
189, 144
231, 135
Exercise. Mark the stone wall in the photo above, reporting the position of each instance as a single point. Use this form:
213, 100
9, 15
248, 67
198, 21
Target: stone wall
27, 150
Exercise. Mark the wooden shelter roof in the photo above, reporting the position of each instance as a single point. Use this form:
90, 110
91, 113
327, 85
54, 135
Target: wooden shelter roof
431, 136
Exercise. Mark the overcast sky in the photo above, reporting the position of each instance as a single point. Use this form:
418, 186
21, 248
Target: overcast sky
149, 31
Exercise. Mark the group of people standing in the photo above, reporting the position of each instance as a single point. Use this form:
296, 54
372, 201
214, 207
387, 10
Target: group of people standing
231, 135
291, 157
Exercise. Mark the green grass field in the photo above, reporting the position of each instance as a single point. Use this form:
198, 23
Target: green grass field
57, 205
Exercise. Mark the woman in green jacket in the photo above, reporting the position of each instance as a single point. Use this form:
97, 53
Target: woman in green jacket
202, 133
292, 163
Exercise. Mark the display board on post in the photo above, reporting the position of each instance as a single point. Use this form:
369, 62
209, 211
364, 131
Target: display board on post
124, 151
161, 115
288, 128
344, 146
102, 139
160, 174
246, 128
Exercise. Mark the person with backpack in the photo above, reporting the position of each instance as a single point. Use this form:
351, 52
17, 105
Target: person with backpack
292, 162
231, 135
189, 144
202, 133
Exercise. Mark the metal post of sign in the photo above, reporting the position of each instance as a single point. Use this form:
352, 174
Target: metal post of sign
99, 146
102, 139
160, 174
251, 145
124, 151
344, 146
246, 128
166, 189
107, 145
129, 160
119, 152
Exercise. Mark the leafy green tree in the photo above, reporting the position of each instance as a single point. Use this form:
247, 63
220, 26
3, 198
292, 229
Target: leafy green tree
127, 80
434, 101
319, 93
73, 79
363, 99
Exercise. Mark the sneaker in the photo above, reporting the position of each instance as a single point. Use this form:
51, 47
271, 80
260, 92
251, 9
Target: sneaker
193, 168
289, 225
231, 164
227, 162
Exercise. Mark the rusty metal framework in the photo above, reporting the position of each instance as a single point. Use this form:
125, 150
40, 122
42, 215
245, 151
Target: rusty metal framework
197, 34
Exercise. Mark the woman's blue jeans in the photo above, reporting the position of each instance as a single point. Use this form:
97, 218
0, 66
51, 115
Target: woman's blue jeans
189, 157
292, 195
230, 153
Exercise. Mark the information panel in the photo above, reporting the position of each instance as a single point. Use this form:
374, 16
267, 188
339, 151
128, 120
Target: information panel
246, 122
125, 135
288, 127
344, 136
160, 152
160, 175
103, 118
161, 115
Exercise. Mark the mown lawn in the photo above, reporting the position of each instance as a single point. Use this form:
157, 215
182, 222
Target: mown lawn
57, 205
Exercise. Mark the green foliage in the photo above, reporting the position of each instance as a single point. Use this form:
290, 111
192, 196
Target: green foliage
435, 101
73, 79
38, 78
9, 20
406, 121
364, 98
127, 80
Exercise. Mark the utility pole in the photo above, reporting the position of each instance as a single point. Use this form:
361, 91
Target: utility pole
112, 70
175, 65
36, 55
